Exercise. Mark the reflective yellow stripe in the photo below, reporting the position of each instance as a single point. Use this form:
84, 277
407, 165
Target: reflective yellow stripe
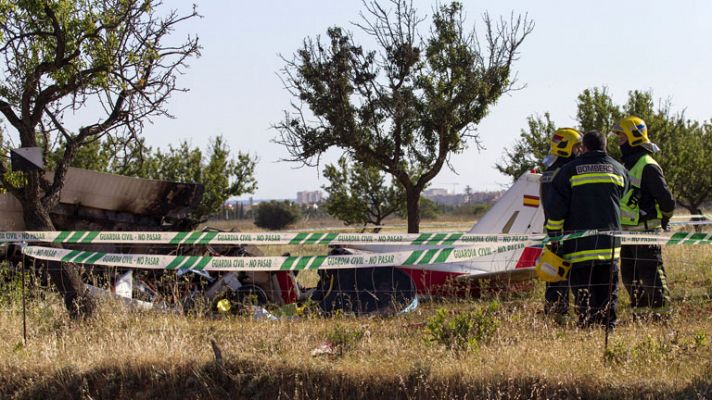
578, 180
554, 225
592, 255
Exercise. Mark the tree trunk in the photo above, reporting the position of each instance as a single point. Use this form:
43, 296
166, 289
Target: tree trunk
695, 210
413, 207
691, 208
67, 280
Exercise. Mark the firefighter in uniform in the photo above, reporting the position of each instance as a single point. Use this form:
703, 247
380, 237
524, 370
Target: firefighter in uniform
648, 206
585, 195
565, 145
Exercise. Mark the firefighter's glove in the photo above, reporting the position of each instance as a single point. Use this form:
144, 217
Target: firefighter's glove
554, 246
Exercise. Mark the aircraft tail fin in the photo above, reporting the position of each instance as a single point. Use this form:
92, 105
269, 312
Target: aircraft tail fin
517, 211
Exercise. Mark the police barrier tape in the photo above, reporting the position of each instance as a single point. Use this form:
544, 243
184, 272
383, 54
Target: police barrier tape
417, 259
410, 259
302, 238
260, 238
641, 238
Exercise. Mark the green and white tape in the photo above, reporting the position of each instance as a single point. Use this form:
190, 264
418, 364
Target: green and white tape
302, 238
417, 259
686, 238
642, 238
261, 238
488, 245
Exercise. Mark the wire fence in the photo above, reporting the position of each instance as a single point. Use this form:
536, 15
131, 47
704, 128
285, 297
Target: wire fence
182, 290
688, 279
691, 259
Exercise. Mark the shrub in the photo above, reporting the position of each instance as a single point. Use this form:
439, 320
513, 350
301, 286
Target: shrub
465, 210
463, 330
277, 214
10, 286
701, 339
617, 353
344, 339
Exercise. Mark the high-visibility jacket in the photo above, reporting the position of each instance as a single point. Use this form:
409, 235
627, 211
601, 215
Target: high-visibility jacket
586, 194
641, 205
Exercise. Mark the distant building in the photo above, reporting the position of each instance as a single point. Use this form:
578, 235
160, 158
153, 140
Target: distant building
484, 197
309, 197
434, 192
441, 196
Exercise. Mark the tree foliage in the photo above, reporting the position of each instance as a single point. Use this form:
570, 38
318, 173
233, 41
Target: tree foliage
277, 214
428, 209
224, 176
405, 107
686, 149
359, 194
531, 148
221, 175
595, 110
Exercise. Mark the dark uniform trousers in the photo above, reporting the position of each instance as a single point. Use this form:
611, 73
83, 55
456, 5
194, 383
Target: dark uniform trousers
644, 276
591, 283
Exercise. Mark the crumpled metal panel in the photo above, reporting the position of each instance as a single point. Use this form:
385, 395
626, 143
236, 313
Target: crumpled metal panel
128, 194
97, 200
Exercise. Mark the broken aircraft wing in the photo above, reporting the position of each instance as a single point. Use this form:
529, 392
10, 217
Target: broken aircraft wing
94, 201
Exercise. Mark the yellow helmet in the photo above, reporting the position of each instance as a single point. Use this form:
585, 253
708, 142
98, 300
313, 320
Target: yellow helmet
550, 267
564, 140
634, 129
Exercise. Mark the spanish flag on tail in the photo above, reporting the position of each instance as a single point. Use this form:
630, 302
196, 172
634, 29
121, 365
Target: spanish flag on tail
531, 201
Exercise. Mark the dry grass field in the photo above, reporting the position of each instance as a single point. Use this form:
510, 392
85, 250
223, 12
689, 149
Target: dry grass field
444, 222
515, 351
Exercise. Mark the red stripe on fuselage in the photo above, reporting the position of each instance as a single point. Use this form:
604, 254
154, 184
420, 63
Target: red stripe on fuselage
286, 286
528, 257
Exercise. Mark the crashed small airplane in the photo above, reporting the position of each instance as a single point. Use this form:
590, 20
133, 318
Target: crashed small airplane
517, 211
94, 201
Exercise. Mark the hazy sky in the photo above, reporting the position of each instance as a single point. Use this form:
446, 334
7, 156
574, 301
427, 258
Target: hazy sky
235, 91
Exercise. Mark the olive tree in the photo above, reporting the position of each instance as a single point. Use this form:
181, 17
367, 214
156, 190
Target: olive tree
360, 194
406, 106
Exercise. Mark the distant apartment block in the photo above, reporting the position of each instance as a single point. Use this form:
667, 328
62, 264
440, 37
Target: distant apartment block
434, 192
441, 196
309, 197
